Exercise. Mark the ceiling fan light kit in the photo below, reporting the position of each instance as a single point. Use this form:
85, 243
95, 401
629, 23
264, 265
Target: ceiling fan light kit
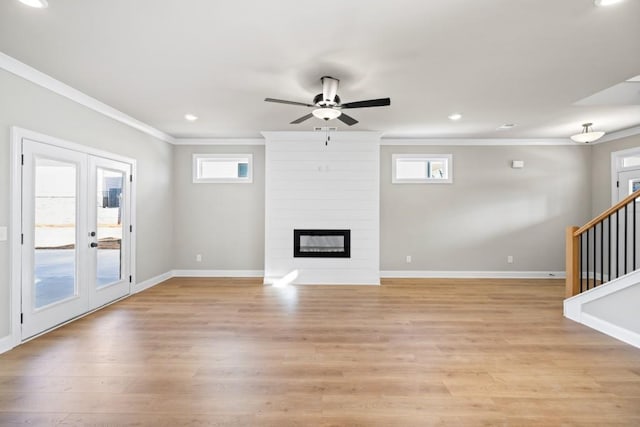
327, 105
326, 113
587, 135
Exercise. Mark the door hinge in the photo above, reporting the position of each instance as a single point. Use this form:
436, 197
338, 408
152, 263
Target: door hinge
131, 229
21, 318
22, 159
22, 238
130, 178
130, 279
618, 184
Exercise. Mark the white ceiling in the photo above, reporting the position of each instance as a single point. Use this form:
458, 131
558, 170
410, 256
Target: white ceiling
495, 61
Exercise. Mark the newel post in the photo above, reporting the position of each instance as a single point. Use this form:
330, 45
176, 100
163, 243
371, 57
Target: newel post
572, 256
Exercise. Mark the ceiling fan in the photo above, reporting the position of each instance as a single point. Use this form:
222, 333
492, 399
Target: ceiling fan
327, 104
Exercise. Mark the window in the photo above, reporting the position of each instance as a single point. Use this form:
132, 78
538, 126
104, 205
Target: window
421, 168
631, 161
223, 168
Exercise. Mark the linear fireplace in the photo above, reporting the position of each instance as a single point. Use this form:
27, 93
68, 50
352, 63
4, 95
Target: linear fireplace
322, 243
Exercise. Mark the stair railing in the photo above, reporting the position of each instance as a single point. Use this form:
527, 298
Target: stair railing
604, 248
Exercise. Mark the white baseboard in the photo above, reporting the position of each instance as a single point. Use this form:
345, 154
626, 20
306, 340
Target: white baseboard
218, 273
149, 283
615, 331
6, 344
426, 274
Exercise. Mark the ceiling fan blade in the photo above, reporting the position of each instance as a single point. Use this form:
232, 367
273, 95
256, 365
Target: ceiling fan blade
381, 102
348, 120
282, 101
302, 119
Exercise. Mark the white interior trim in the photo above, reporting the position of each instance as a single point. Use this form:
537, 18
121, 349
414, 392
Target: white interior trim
610, 329
15, 231
29, 73
575, 303
426, 274
6, 344
218, 273
390, 141
624, 133
476, 141
218, 141
616, 168
23, 70
149, 283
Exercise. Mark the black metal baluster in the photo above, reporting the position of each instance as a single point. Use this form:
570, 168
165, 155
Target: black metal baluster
609, 247
580, 263
595, 267
634, 234
617, 244
626, 220
601, 252
587, 257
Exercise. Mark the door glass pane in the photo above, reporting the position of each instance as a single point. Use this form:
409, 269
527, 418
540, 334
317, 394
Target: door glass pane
109, 220
55, 231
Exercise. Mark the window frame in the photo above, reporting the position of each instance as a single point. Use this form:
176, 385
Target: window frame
448, 158
198, 158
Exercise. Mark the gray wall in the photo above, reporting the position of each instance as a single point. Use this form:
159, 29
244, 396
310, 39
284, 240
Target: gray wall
489, 212
29, 106
619, 308
222, 222
601, 171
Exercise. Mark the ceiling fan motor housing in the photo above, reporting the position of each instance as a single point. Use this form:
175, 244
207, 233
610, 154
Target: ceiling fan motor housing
321, 102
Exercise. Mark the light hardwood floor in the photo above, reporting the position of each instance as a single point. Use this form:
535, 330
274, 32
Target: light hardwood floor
408, 353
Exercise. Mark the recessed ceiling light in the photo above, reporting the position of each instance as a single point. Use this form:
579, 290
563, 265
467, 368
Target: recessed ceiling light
507, 126
635, 79
455, 116
190, 117
40, 4
607, 2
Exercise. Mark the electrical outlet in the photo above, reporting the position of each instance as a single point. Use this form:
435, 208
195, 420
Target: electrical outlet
199, 258
408, 259
510, 259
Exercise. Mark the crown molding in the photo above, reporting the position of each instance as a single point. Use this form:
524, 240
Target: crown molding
613, 136
39, 78
218, 141
321, 136
476, 141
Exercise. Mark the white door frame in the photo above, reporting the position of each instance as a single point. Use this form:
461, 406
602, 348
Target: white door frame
616, 168
15, 218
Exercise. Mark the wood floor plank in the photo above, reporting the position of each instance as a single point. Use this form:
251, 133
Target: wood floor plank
231, 352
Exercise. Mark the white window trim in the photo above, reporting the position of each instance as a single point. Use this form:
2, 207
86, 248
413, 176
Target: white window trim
247, 180
617, 159
449, 167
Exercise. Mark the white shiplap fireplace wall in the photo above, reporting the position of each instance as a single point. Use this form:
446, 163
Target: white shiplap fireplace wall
310, 185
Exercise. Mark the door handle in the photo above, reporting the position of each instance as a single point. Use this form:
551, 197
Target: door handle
93, 245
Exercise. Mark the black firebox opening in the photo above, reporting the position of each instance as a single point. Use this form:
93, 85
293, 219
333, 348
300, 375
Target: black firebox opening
322, 243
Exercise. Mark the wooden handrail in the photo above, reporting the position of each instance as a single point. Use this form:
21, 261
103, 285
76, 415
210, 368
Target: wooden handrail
608, 212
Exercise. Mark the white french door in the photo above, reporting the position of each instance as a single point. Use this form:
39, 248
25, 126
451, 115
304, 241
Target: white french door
76, 247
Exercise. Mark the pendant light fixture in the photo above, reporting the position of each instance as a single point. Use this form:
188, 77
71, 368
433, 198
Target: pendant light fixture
587, 135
